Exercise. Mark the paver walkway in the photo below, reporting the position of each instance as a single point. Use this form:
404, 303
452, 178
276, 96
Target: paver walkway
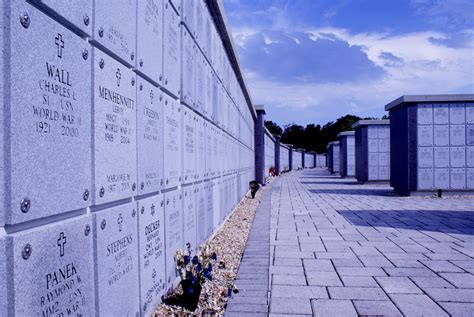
338, 248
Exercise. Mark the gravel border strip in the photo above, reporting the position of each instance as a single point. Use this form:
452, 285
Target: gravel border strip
253, 276
229, 242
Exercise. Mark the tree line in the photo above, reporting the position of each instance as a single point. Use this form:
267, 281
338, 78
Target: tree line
313, 137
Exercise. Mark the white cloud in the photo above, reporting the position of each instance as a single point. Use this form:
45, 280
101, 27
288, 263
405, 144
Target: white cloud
427, 68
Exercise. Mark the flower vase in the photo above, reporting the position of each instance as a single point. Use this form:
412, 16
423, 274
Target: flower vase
191, 293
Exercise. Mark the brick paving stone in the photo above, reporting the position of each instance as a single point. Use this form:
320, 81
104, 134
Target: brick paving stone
287, 262
289, 315
332, 307
239, 299
328, 232
285, 305
323, 278
292, 291
309, 240
283, 234
244, 285
311, 265
441, 266
312, 247
335, 255
246, 307
407, 263
279, 279
254, 277
436, 246
451, 294
400, 285
409, 271
461, 280
413, 248
346, 262
417, 305
431, 282
367, 250
376, 261
360, 271
459, 309
252, 270
366, 293
251, 292
331, 239
358, 281
286, 248
376, 308
283, 269
404, 256
260, 274
244, 314
255, 262
337, 246
294, 255
466, 265
290, 242
353, 237
448, 256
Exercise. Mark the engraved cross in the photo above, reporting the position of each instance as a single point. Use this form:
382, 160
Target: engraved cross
119, 76
119, 221
61, 243
60, 44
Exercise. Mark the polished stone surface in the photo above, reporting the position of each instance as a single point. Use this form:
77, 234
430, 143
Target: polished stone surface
51, 268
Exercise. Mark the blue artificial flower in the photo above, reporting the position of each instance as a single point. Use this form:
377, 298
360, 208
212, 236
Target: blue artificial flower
189, 275
190, 291
209, 267
229, 292
198, 267
214, 256
193, 280
186, 259
207, 274
195, 260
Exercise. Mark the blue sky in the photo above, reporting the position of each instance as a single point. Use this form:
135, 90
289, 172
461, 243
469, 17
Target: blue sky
312, 61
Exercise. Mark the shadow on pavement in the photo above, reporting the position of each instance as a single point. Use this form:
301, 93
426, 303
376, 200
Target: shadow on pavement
429, 220
361, 192
332, 183
322, 176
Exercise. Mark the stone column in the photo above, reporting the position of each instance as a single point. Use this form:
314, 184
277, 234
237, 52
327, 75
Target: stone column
260, 145
290, 156
277, 154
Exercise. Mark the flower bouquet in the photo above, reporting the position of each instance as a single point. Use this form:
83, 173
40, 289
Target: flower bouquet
272, 171
194, 272
254, 186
